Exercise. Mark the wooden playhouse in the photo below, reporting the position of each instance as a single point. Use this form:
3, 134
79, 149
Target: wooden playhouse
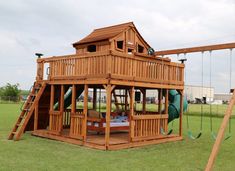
115, 60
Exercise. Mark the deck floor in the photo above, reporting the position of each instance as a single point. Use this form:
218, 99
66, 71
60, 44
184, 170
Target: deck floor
118, 140
117, 137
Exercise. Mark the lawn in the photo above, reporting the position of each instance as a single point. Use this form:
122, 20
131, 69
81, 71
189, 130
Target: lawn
33, 153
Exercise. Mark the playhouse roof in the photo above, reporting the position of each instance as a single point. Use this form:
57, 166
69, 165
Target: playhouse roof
107, 33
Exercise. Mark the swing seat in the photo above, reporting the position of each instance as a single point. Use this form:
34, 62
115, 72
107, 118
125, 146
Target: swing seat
164, 133
190, 135
214, 136
170, 132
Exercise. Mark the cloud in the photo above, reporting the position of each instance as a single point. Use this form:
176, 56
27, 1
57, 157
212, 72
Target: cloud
51, 26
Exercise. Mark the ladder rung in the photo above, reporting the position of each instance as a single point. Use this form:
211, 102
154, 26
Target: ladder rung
18, 124
120, 103
37, 88
14, 133
120, 95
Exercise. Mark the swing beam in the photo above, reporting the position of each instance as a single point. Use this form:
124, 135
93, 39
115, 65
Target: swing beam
196, 49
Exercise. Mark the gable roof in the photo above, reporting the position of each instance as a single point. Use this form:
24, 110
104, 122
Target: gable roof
107, 33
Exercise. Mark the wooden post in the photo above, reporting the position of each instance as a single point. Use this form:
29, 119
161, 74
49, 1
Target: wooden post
51, 105
160, 101
166, 101
126, 99
94, 98
144, 100
61, 108
220, 135
132, 100
181, 112
108, 111
36, 117
73, 108
85, 110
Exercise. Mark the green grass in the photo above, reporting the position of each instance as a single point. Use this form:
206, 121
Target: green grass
33, 153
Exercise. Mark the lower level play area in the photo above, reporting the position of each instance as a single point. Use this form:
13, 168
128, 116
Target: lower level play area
120, 120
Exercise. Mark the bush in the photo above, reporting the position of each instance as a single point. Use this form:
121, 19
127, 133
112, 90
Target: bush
10, 90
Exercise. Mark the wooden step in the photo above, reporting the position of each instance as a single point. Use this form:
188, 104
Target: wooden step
120, 103
27, 110
120, 95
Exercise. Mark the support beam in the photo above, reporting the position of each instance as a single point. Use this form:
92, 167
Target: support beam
94, 98
181, 113
196, 49
144, 100
61, 107
85, 110
51, 105
166, 101
132, 101
220, 135
160, 101
126, 99
108, 111
35, 127
73, 108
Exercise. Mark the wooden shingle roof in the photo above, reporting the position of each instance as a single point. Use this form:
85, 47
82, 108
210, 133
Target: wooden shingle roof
104, 33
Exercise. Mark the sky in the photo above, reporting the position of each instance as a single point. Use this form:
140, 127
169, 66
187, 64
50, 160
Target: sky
51, 26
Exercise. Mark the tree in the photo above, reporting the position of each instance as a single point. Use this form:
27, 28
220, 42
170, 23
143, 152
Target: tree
10, 90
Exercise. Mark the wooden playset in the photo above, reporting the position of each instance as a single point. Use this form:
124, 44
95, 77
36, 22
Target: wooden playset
118, 61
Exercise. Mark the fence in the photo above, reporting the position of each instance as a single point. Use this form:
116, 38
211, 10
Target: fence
9, 99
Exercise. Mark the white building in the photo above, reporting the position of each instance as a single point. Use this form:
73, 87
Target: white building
192, 92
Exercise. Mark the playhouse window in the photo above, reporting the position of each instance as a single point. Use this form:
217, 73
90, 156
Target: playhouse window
91, 48
120, 44
140, 49
130, 51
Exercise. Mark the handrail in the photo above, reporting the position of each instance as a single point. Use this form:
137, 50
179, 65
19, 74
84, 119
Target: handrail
114, 64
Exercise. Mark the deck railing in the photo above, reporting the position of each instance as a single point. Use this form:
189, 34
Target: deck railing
148, 126
112, 65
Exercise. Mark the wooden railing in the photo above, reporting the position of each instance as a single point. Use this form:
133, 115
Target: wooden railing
115, 65
77, 121
67, 118
55, 122
148, 126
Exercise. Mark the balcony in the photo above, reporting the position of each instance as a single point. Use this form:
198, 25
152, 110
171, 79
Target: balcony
111, 65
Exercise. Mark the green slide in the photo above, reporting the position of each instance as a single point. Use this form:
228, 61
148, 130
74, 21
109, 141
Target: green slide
174, 106
68, 98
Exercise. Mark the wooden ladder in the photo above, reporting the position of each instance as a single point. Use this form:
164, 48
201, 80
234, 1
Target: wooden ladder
27, 111
119, 100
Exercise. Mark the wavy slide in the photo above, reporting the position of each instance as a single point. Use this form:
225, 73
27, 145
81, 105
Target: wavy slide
174, 106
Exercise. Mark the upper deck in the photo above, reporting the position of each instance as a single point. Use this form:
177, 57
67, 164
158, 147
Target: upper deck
112, 67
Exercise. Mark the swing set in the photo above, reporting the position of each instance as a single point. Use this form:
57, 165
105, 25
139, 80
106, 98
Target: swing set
227, 117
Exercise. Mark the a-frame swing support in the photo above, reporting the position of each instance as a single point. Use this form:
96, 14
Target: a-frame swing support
221, 132
228, 112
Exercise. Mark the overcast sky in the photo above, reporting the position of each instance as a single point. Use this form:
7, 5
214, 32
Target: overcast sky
51, 26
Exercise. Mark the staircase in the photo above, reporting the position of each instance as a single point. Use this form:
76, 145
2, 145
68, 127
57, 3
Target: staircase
27, 111
120, 99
